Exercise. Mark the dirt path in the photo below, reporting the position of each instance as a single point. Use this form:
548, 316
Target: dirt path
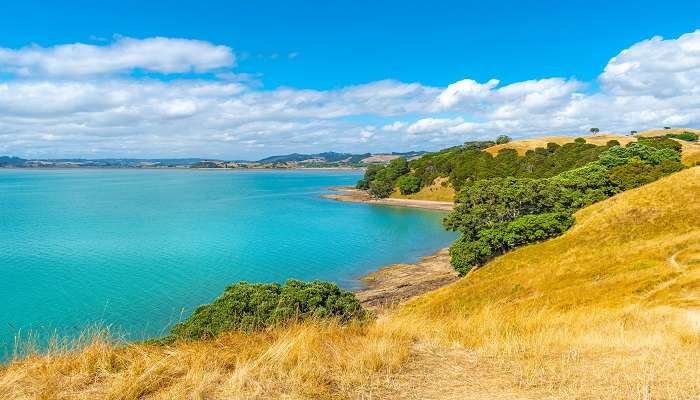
435, 372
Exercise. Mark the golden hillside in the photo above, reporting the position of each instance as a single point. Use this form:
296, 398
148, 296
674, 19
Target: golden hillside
690, 155
608, 310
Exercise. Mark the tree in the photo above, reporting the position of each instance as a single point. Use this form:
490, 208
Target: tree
580, 140
381, 189
667, 127
594, 130
408, 184
633, 132
503, 139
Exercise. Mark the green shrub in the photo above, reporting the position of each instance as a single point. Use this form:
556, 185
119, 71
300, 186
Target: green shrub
660, 142
250, 307
580, 140
687, 136
408, 184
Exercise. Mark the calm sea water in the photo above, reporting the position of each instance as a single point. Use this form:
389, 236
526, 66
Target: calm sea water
139, 249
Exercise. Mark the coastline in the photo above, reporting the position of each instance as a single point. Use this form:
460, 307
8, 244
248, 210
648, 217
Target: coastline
353, 195
397, 283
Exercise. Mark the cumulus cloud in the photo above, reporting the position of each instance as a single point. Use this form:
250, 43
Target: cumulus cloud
80, 100
465, 91
158, 54
656, 67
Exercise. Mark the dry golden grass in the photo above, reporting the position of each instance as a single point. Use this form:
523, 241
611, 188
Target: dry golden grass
690, 155
608, 310
440, 190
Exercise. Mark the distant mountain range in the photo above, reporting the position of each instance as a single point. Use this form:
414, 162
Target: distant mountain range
326, 159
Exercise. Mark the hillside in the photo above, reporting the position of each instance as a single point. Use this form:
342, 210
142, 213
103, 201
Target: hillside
438, 173
611, 309
691, 151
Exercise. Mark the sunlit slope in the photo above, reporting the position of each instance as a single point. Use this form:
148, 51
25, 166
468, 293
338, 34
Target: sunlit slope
608, 310
618, 253
690, 154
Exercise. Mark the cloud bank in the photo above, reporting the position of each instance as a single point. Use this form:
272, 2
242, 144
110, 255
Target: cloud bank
180, 97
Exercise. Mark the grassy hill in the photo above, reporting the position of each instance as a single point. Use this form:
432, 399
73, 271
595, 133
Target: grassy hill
691, 150
442, 188
610, 309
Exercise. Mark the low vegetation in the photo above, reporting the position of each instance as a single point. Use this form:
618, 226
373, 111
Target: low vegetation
252, 307
685, 135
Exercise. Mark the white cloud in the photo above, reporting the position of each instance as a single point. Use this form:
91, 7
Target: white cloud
656, 67
465, 91
161, 55
57, 105
433, 125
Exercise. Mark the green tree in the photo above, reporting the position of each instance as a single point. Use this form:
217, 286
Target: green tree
594, 130
380, 188
408, 184
503, 139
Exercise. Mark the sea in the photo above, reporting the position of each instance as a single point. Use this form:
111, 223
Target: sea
134, 251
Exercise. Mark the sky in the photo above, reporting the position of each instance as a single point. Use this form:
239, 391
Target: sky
244, 80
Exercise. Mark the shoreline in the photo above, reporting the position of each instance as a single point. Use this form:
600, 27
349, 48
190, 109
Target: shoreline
352, 195
396, 284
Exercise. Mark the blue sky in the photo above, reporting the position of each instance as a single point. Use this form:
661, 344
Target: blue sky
350, 42
324, 48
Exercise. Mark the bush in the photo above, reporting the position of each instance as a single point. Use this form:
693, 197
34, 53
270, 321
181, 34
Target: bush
637, 173
502, 139
251, 307
687, 136
580, 140
408, 184
660, 142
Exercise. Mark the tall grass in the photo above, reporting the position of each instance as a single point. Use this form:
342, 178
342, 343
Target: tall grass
608, 310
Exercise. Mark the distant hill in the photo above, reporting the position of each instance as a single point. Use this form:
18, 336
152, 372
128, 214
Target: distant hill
330, 157
334, 158
11, 161
7, 161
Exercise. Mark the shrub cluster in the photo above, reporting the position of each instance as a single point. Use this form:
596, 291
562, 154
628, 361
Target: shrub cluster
250, 307
497, 214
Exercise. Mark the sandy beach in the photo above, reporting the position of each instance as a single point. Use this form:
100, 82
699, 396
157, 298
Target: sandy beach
360, 196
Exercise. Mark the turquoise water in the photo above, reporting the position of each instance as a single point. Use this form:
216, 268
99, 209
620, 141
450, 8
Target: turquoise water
138, 249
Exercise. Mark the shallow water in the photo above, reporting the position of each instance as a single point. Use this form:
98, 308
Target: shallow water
138, 249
